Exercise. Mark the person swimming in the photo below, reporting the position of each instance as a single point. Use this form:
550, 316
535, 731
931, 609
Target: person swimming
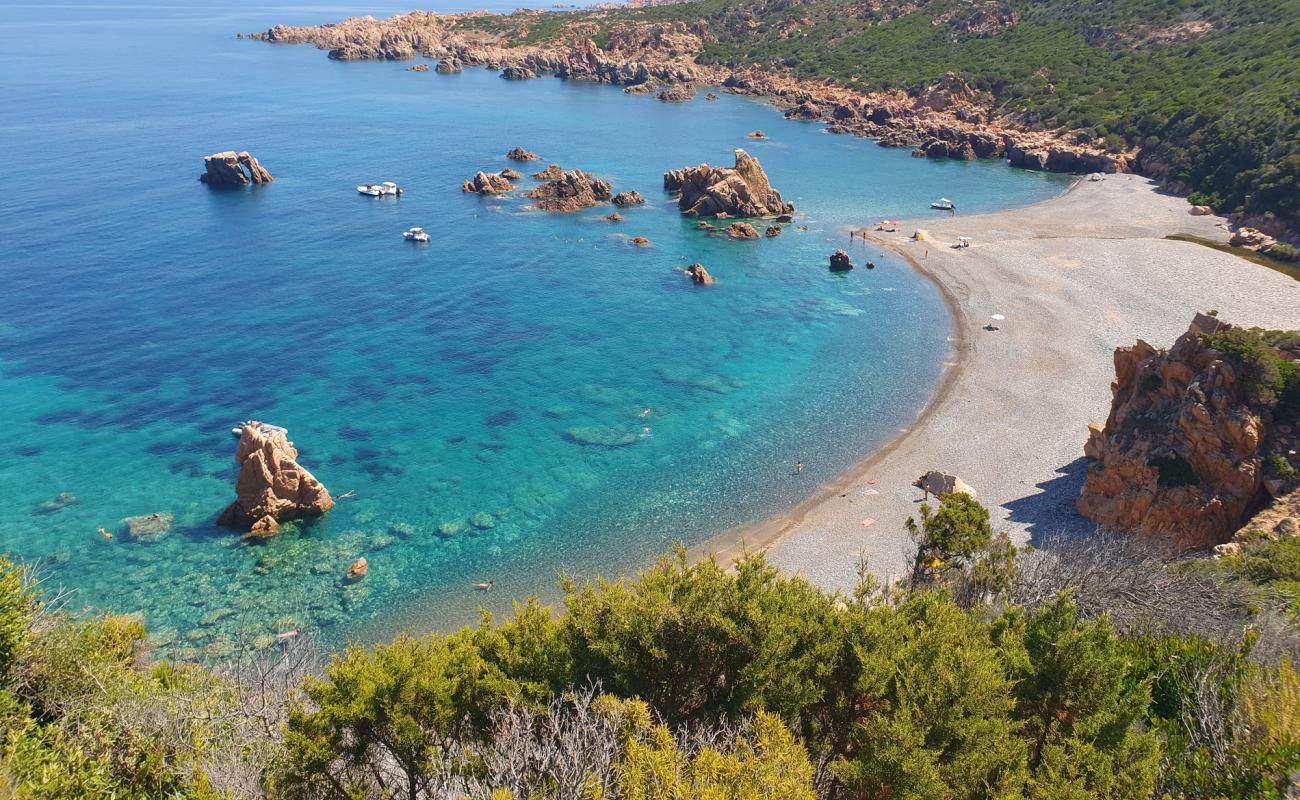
798, 468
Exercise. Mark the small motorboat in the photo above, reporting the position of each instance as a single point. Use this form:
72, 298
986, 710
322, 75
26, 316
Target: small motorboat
944, 204
263, 427
379, 189
415, 235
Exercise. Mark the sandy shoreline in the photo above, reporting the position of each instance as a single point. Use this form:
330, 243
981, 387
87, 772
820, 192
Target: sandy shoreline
1076, 276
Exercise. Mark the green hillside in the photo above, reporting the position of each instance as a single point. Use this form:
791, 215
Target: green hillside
1208, 89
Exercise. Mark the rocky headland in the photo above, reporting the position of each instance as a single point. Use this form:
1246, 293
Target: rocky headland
946, 119
272, 486
739, 191
1199, 437
231, 169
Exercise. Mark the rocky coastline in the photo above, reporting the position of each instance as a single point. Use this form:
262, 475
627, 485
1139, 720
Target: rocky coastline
948, 119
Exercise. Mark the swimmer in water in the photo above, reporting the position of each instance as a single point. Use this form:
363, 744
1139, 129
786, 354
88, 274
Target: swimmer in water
645, 412
798, 468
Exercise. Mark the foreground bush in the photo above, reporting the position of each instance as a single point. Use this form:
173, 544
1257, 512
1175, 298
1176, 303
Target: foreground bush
986, 674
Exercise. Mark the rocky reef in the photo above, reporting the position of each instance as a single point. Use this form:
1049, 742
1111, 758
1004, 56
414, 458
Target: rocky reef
485, 183
840, 261
631, 198
271, 482
520, 154
1199, 437
572, 190
739, 191
231, 169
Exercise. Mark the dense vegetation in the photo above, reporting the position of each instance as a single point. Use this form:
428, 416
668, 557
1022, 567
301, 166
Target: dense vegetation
1207, 89
1093, 670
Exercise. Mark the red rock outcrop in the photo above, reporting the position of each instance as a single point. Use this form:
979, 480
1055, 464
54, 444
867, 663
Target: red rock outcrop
520, 154
233, 169
677, 93
1184, 452
699, 275
571, 191
739, 191
271, 482
630, 198
484, 183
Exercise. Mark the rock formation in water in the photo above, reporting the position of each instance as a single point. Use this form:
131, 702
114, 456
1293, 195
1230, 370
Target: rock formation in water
615, 217
756, 135
741, 230
418, 68
229, 169
632, 198
517, 73
840, 261
449, 66
1199, 437
739, 191
511, 174
551, 173
639, 241
271, 482
772, 231
677, 93
148, 527
520, 154
485, 183
699, 275
571, 191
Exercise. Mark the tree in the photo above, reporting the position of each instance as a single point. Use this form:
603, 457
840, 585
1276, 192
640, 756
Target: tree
383, 721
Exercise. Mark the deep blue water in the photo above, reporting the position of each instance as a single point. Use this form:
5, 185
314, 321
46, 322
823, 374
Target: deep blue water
142, 314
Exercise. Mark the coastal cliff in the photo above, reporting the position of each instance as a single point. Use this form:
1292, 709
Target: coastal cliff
1199, 437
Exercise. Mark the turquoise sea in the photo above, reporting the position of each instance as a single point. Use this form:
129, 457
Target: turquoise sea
461, 382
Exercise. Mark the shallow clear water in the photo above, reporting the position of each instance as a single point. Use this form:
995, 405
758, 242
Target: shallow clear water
142, 314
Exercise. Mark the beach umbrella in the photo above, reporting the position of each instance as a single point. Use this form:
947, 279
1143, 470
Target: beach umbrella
998, 317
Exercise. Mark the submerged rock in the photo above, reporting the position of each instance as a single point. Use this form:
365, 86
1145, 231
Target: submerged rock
772, 231
358, 569
710, 96
840, 261
632, 198
615, 217
229, 169
739, 191
520, 154
483, 521
699, 275
57, 503
485, 183
600, 436
571, 191
639, 241
148, 527
418, 68
272, 482
756, 135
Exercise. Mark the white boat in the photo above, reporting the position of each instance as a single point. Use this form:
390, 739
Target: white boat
943, 204
379, 189
264, 427
415, 235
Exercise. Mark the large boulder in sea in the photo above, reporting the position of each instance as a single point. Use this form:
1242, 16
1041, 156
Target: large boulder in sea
677, 93
1198, 436
840, 261
699, 275
739, 191
229, 169
571, 191
271, 481
485, 183
520, 154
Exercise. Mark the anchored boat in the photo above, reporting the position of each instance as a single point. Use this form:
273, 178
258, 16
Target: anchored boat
379, 189
415, 235
943, 204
